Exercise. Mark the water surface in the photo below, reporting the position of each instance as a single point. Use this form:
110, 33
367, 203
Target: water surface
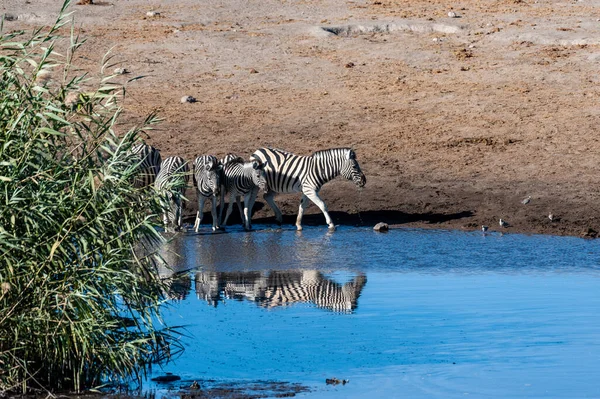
410, 313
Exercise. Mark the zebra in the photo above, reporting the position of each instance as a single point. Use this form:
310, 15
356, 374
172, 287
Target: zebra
228, 158
241, 178
290, 173
171, 182
280, 288
207, 179
148, 162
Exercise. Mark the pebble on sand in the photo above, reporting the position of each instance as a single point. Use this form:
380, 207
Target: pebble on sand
187, 99
381, 227
121, 71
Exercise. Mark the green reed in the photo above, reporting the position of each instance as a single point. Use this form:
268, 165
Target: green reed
79, 303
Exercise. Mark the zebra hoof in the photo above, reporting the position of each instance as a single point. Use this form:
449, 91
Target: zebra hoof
331, 227
298, 227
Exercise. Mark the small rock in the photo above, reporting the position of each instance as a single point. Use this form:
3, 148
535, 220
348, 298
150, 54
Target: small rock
381, 227
187, 99
121, 71
153, 14
195, 385
589, 233
253, 70
335, 381
350, 65
10, 17
452, 14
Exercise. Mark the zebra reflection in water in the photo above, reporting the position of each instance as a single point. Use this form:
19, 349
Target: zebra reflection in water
280, 288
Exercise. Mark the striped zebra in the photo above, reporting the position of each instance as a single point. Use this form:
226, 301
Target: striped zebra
241, 178
207, 179
280, 288
290, 173
148, 160
171, 182
228, 158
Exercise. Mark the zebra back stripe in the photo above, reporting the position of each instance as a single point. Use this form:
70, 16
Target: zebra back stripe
173, 175
148, 159
287, 172
237, 177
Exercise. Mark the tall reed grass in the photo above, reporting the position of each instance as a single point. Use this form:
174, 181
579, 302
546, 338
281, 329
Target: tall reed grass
79, 307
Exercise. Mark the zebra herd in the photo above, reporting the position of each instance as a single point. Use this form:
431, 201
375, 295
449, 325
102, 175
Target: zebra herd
269, 170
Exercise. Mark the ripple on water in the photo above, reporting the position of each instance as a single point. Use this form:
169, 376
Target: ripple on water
429, 313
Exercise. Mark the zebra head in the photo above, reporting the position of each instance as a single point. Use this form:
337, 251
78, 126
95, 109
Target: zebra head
213, 174
259, 177
351, 170
207, 174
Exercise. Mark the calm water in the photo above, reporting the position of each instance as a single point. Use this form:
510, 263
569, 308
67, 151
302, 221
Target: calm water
407, 314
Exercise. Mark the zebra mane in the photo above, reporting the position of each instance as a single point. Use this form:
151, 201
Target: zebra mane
331, 151
236, 160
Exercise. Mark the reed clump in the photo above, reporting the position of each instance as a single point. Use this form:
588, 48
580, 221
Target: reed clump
79, 306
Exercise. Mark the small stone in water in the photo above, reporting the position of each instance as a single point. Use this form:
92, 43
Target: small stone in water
335, 381
187, 99
381, 227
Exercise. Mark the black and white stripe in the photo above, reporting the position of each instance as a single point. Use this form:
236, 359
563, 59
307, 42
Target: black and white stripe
241, 178
280, 288
148, 162
228, 158
171, 183
207, 179
290, 173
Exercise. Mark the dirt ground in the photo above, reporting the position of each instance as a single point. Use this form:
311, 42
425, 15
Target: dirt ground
455, 118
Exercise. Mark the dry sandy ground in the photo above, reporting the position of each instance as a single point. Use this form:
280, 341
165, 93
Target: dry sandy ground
454, 120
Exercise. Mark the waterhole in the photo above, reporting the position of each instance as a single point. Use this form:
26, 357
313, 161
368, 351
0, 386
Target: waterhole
409, 313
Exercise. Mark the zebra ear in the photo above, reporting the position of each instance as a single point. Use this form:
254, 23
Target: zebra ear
351, 155
257, 165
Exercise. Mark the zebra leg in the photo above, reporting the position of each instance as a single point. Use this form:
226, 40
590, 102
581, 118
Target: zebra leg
166, 204
249, 199
178, 212
301, 208
201, 200
269, 198
239, 205
229, 209
314, 197
222, 206
213, 212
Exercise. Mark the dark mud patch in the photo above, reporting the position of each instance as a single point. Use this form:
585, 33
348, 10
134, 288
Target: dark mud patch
213, 389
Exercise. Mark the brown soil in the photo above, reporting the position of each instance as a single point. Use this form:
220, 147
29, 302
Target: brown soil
454, 120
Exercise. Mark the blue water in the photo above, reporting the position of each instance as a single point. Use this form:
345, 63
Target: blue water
406, 314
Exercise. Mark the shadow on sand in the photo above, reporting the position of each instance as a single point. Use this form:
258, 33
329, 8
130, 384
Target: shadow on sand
366, 218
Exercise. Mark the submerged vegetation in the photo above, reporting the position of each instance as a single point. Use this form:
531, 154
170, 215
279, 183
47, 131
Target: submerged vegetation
79, 303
